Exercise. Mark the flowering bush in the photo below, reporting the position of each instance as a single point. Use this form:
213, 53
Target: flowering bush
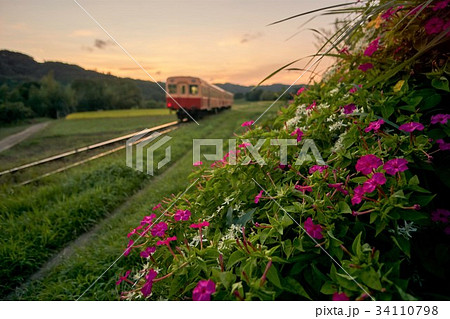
371, 223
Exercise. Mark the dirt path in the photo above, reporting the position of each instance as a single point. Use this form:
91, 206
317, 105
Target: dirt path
14, 139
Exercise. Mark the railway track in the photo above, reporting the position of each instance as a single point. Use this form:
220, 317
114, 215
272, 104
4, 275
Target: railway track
164, 128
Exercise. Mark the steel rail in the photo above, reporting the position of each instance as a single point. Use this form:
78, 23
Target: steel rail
85, 148
91, 158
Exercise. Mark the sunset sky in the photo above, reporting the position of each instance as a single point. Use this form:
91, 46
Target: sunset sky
218, 40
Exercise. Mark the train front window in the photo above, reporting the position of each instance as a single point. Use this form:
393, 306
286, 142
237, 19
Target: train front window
172, 88
193, 89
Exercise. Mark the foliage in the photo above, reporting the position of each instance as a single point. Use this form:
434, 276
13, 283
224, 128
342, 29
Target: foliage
74, 273
266, 232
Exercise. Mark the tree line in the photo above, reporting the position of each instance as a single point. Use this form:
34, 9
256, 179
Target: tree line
50, 98
264, 95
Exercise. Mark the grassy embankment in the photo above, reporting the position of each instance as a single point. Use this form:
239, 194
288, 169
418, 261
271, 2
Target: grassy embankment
40, 220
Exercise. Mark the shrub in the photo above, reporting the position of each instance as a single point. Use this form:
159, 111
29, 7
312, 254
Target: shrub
370, 222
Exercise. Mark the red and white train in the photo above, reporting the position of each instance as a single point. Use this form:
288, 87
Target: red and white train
196, 96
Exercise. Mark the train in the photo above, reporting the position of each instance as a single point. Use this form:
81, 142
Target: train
196, 96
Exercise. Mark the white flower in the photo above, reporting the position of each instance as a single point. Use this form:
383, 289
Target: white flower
336, 126
407, 230
219, 209
228, 200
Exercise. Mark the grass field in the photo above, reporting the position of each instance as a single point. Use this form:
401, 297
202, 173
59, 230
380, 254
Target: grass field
42, 219
118, 113
9, 129
63, 135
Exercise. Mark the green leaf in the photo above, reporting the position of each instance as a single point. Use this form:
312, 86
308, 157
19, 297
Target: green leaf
287, 247
227, 278
403, 244
370, 278
344, 208
414, 215
245, 218
328, 288
293, 286
356, 246
286, 221
235, 257
441, 84
387, 111
272, 276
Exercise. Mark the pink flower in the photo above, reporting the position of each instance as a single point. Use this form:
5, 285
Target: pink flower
440, 118
134, 231
182, 215
258, 197
447, 230
303, 189
440, 215
148, 219
248, 123
315, 231
204, 290
365, 66
358, 194
377, 179
373, 46
355, 88
284, 167
349, 108
200, 225
340, 296
122, 278
159, 229
411, 126
157, 207
395, 165
300, 90
415, 10
166, 241
319, 168
244, 145
442, 145
375, 125
434, 25
297, 132
345, 51
367, 163
313, 105
147, 288
129, 246
148, 252
390, 12
339, 188
441, 5
199, 163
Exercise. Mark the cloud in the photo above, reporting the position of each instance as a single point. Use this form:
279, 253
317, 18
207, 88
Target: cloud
251, 36
102, 44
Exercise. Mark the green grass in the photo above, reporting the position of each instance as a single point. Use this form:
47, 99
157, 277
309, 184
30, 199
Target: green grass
63, 135
69, 279
10, 129
118, 113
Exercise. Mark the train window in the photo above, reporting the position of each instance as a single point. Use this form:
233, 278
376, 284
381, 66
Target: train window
183, 89
193, 89
172, 88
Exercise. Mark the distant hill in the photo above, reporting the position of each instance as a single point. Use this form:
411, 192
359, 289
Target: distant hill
18, 67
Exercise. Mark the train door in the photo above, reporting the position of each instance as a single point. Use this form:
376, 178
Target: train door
182, 88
